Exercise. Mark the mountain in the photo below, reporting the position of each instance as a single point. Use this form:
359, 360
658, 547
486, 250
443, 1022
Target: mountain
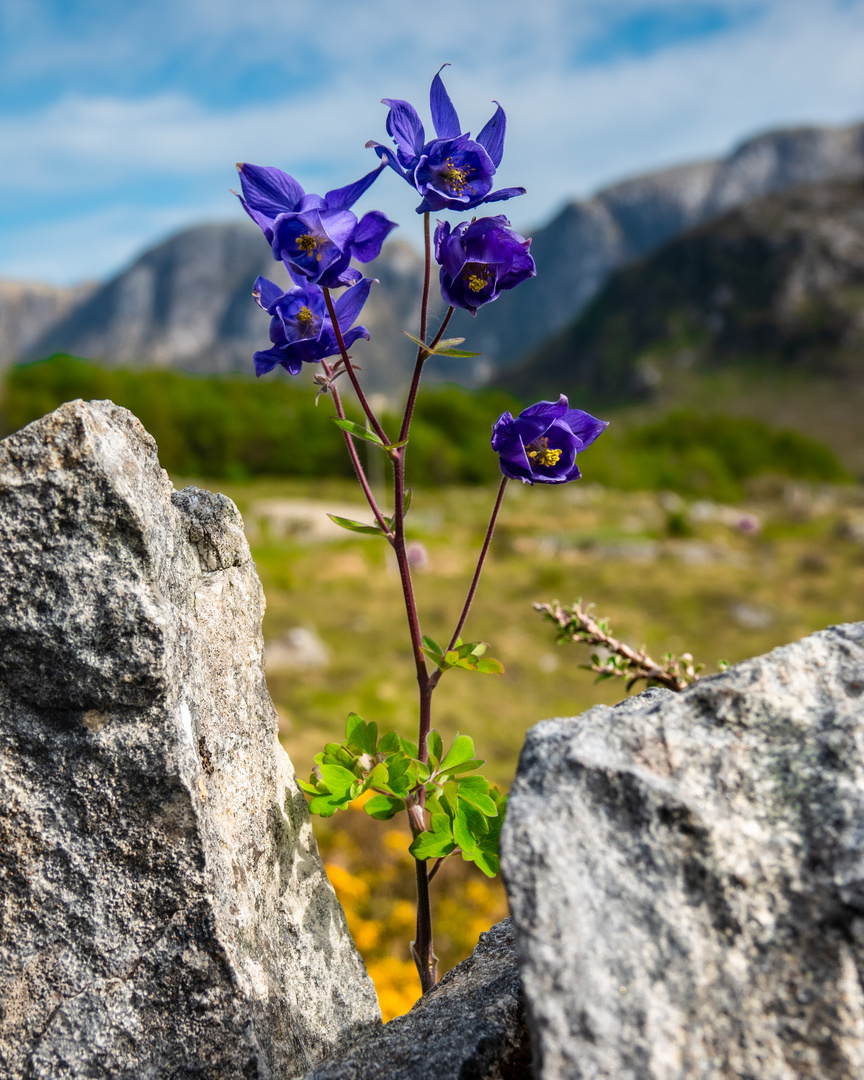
576, 252
186, 302
27, 309
764, 305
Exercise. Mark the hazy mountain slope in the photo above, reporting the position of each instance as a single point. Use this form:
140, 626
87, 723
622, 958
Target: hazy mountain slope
27, 309
776, 286
576, 252
188, 303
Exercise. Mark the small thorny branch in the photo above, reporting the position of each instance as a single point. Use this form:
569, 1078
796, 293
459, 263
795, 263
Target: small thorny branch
578, 623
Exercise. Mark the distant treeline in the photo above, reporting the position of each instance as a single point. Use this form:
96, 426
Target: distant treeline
235, 427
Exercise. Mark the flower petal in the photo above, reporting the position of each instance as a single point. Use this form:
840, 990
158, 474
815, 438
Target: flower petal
345, 197
269, 190
266, 361
444, 115
265, 292
371, 233
388, 157
405, 126
350, 303
353, 335
492, 136
501, 195
553, 410
584, 426
263, 222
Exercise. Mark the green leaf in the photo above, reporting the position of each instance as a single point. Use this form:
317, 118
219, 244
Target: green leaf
357, 430
462, 833
429, 846
436, 842
435, 746
326, 805
486, 861
389, 742
487, 666
410, 748
362, 735
438, 351
406, 500
462, 750
377, 778
466, 766
443, 348
355, 526
417, 341
436, 659
431, 645
337, 779
383, 807
449, 798
479, 801
310, 789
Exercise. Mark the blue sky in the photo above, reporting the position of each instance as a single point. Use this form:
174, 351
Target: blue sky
120, 123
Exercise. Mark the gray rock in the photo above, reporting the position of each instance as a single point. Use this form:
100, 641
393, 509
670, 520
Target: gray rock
165, 912
471, 1026
686, 876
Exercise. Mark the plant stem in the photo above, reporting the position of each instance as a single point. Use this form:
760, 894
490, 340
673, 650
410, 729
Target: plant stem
424, 955
427, 274
490, 528
405, 574
422, 357
355, 459
349, 367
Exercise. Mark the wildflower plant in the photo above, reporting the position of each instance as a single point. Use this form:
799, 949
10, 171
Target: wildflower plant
450, 807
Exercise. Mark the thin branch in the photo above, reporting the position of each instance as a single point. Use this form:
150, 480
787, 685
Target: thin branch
577, 623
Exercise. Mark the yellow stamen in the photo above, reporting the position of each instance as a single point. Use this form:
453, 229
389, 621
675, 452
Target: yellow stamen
476, 282
456, 176
307, 244
540, 453
305, 320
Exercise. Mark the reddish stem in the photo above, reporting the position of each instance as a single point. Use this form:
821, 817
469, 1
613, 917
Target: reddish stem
490, 528
352, 374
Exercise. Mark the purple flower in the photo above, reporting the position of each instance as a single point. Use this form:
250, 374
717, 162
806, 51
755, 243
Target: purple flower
316, 238
452, 172
540, 445
300, 327
479, 259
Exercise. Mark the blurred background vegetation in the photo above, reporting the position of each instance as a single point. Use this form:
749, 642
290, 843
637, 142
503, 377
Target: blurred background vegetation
719, 535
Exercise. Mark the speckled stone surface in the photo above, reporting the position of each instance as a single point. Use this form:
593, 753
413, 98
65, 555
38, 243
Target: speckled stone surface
471, 1026
686, 876
164, 909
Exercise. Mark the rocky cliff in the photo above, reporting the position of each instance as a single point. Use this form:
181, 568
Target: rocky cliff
778, 281
187, 301
578, 250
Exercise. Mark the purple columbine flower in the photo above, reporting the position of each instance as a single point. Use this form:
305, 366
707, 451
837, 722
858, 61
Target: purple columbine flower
479, 259
300, 327
540, 445
452, 172
315, 237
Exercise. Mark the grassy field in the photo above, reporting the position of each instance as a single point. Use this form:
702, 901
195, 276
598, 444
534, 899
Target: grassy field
722, 582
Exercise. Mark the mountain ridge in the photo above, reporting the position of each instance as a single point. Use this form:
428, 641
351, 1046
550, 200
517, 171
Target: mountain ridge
186, 302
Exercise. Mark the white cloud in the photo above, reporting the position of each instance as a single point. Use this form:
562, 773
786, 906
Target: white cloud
569, 129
